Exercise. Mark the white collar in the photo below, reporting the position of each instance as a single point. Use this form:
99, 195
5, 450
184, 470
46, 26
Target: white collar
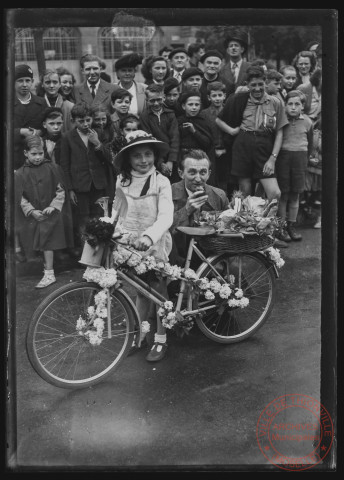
96, 85
24, 102
237, 63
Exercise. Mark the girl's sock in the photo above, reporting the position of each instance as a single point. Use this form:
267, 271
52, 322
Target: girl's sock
160, 338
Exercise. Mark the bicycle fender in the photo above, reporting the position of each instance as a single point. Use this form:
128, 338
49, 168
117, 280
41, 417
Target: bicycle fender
132, 304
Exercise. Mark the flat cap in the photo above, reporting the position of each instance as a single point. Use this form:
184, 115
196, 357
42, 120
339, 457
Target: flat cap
191, 72
169, 84
177, 50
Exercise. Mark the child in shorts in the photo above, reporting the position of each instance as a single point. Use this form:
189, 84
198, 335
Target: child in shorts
292, 161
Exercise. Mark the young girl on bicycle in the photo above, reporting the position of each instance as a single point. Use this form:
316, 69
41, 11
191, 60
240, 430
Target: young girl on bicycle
145, 216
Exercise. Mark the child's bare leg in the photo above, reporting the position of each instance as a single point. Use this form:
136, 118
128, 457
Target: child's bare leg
293, 206
271, 188
48, 259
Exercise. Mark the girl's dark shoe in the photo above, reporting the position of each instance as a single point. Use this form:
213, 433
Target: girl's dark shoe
157, 352
292, 232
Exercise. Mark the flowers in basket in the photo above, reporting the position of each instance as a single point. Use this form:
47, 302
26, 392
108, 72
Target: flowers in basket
98, 231
273, 254
246, 215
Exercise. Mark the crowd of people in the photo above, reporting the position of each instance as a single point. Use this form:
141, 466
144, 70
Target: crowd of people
201, 126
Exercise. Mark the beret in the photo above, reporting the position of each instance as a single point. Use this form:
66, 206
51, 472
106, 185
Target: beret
130, 61
190, 72
211, 53
170, 83
22, 71
177, 50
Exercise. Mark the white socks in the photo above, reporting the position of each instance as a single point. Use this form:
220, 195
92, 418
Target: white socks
160, 338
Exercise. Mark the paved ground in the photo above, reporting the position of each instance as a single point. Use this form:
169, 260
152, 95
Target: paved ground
198, 407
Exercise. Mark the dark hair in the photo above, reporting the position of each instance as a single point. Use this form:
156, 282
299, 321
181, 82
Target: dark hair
215, 86
147, 64
101, 109
196, 154
63, 71
296, 93
120, 93
165, 49
194, 48
273, 75
154, 88
255, 72
189, 93
316, 77
52, 112
128, 119
306, 54
283, 69
126, 168
258, 62
88, 57
80, 110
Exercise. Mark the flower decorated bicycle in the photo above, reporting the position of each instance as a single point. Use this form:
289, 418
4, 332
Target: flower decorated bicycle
82, 332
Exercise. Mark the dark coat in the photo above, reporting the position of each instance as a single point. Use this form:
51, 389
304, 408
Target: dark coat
202, 138
82, 165
217, 200
25, 116
38, 185
164, 128
226, 76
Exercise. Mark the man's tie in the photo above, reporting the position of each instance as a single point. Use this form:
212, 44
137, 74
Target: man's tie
178, 76
93, 93
234, 71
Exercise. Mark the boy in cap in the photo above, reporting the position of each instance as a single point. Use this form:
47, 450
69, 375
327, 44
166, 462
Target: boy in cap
27, 116
233, 72
28, 111
179, 61
212, 61
125, 68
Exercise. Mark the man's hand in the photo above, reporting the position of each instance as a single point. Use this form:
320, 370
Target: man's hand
269, 167
195, 201
38, 215
73, 197
48, 210
143, 243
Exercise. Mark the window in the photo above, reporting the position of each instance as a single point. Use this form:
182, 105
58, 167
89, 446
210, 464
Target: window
59, 43
115, 42
24, 45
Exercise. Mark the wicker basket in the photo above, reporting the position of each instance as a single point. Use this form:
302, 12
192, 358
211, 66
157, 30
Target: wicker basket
222, 244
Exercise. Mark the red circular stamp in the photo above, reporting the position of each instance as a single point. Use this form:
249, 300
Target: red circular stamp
295, 432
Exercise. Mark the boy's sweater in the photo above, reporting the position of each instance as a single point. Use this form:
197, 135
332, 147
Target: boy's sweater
298, 135
164, 128
201, 139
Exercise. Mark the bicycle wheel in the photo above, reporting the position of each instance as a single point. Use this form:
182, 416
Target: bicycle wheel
255, 276
63, 357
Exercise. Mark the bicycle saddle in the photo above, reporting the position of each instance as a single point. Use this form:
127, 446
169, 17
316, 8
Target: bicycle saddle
197, 231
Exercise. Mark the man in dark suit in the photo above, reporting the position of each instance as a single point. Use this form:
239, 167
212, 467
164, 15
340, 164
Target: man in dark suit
94, 91
190, 196
233, 72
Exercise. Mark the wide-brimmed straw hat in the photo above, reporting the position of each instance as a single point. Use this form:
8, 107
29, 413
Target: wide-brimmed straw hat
139, 137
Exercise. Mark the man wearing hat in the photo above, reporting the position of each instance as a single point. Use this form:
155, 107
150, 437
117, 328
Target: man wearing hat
28, 111
233, 73
125, 68
212, 61
179, 61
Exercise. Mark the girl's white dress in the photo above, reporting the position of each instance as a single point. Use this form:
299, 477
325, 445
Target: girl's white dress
150, 214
